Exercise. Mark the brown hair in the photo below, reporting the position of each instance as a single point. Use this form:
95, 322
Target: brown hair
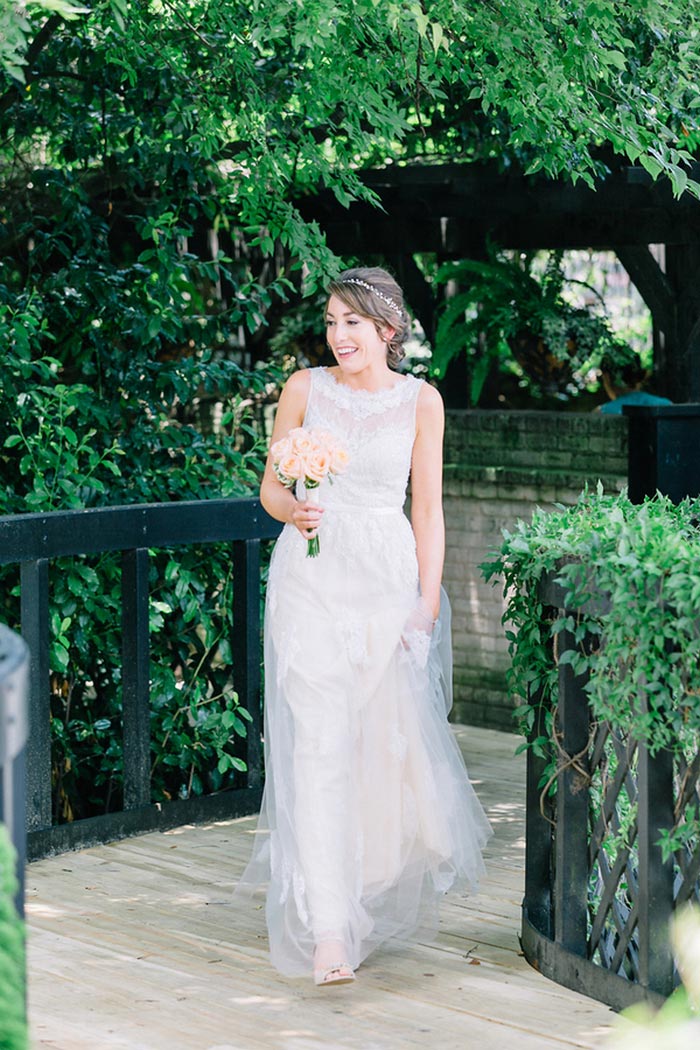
373, 293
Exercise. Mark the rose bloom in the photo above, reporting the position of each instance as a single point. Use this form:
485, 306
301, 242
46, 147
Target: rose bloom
290, 468
339, 460
280, 448
302, 441
324, 439
317, 465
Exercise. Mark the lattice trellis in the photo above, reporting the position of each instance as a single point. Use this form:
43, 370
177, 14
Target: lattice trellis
599, 889
686, 811
613, 879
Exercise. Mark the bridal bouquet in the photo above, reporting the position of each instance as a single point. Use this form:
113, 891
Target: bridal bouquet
308, 456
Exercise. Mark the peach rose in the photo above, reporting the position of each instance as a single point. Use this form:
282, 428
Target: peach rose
280, 449
290, 468
339, 460
318, 465
303, 442
323, 438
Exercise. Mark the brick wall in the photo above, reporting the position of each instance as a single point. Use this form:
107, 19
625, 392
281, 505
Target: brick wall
498, 467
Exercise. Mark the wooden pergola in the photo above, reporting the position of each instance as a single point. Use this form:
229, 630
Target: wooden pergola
452, 209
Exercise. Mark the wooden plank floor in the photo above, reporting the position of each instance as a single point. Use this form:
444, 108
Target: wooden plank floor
138, 945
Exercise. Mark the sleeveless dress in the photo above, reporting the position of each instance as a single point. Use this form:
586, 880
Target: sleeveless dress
368, 815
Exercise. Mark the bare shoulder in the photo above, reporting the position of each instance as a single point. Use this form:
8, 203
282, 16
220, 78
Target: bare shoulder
291, 407
430, 410
295, 392
298, 383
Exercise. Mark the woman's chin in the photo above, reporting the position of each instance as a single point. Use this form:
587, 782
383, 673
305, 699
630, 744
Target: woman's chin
349, 363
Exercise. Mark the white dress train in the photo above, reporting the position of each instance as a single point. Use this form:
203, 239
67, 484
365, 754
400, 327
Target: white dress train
368, 816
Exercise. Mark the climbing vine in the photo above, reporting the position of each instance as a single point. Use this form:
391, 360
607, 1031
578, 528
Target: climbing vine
642, 563
631, 581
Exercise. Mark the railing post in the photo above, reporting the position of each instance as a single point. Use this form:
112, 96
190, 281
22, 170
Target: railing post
655, 893
571, 849
34, 585
245, 647
538, 837
135, 679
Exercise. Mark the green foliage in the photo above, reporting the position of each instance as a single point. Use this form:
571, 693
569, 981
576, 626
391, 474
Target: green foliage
197, 723
145, 439
645, 560
503, 309
13, 1023
16, 30
631, 581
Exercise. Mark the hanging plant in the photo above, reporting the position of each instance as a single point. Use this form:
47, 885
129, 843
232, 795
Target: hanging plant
501, 308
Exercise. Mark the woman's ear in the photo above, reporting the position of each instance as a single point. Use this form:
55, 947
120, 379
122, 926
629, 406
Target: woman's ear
387, 334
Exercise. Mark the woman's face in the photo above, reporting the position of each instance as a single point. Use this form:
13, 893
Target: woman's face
354, 339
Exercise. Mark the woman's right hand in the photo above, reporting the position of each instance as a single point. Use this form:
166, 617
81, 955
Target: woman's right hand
306, 517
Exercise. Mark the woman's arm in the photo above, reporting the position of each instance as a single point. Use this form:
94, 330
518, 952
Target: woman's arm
279, 501
426, 496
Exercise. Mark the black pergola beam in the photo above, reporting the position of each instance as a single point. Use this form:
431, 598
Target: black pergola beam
453, 208
651, 282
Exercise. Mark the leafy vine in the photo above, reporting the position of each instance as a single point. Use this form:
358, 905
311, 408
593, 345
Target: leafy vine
630, 576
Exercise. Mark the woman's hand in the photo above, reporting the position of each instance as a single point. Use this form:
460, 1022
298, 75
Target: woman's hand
417, 632
306, 517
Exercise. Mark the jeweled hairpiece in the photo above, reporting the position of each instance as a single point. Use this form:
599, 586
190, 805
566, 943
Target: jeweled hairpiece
375, 291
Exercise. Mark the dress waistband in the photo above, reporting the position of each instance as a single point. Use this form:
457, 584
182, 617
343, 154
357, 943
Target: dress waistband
361, 508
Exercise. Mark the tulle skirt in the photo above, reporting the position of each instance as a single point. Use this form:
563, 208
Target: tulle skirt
368, 816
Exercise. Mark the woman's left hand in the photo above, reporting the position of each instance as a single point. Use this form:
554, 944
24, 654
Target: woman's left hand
417, 632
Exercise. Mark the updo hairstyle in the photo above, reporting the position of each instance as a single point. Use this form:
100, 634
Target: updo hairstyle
368, 302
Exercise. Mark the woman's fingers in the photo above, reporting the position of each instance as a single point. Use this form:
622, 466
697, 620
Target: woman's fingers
307, 518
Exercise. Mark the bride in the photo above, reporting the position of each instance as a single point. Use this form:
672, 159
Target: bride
368, 815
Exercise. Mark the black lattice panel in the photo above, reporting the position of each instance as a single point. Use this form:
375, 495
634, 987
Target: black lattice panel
687, 816
613, 863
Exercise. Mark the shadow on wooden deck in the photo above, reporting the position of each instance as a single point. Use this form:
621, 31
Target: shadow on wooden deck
137, 945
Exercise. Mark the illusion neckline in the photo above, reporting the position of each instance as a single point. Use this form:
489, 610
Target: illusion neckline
400, 381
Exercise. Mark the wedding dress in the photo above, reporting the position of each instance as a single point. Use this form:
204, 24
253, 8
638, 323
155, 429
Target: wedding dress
368, 816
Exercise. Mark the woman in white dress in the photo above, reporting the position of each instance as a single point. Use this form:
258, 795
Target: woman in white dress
368, 815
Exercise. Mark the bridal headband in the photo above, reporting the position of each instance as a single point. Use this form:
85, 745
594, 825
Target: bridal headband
375, 291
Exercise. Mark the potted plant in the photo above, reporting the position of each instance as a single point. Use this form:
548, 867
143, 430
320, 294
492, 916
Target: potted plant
501, 308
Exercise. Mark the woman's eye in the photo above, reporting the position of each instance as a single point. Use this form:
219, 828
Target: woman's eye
329, 323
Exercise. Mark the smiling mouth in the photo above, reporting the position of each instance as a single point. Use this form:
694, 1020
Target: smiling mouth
345, 351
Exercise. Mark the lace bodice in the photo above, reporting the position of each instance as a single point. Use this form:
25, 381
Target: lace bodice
377, 428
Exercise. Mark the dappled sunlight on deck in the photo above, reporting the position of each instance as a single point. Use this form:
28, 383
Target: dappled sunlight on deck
140, 945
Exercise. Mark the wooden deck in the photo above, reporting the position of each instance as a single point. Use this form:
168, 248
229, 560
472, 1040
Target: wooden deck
137, 945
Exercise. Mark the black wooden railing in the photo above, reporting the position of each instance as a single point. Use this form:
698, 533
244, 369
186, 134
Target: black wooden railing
598, 894
32, 540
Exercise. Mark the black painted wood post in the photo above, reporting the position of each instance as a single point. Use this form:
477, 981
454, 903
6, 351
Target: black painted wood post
571, 839
655, 903
136, 679
538, 837
245, 648
34, 585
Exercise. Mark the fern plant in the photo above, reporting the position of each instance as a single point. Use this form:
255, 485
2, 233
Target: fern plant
502, 309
